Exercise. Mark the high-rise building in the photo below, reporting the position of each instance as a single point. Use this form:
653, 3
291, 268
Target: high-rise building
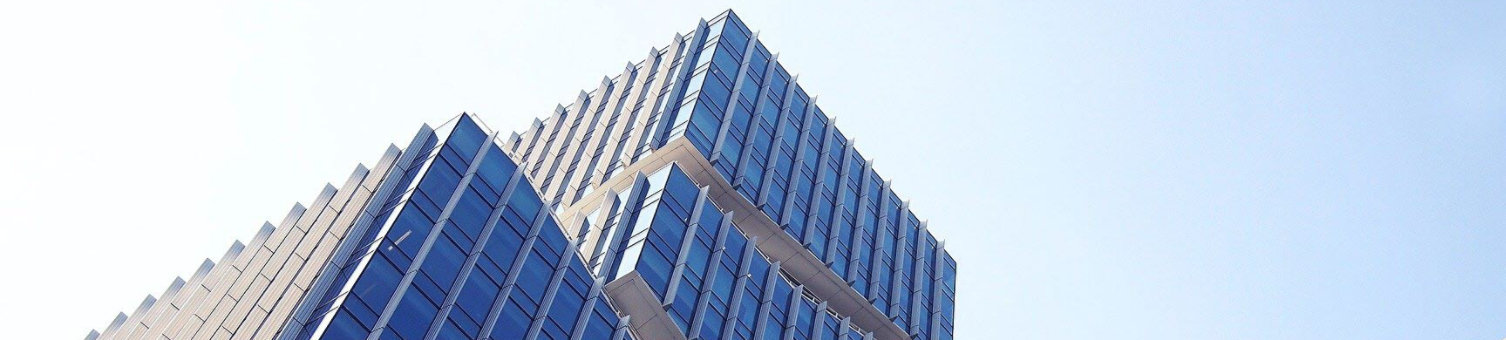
700, 194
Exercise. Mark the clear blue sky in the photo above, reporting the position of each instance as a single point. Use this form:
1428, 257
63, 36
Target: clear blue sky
1178, 170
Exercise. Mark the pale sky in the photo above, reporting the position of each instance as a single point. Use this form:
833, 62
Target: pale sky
1180, 170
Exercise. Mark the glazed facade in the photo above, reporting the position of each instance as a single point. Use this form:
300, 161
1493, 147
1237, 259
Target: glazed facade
700, 194
470, 253
719, 89
710, 277
443, 239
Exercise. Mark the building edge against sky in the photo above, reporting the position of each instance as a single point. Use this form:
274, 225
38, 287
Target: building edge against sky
700, 193
719, 90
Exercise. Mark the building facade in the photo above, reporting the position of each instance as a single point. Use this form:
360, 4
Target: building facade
699, 194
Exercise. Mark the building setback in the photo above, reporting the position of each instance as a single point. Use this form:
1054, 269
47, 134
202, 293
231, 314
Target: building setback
700, 194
